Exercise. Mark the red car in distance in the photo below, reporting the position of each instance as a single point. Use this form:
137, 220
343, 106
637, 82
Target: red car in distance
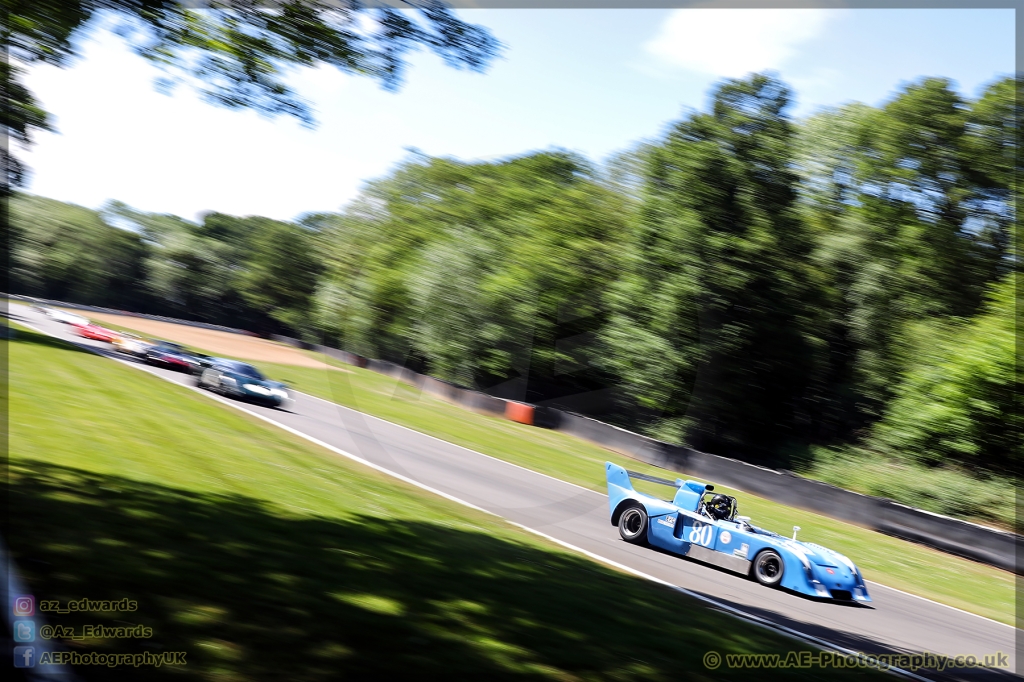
171, 356
92, 331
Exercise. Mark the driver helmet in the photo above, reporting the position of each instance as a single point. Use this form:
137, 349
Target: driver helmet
719, 507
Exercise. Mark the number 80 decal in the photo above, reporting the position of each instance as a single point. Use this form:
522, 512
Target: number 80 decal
701, 533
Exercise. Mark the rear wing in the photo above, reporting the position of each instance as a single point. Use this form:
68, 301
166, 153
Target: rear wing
688, 494
678, 483
654, 479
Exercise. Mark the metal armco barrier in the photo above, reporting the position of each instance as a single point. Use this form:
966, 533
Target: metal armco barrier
297, 343
438, 388
344, 356
481, 402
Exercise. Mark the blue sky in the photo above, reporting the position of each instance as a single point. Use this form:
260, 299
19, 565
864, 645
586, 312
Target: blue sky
592, 81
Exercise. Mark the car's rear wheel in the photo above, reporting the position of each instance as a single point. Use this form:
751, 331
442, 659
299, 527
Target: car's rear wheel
633, 524
768, 568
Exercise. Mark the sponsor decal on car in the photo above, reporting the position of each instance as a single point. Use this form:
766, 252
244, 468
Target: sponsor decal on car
726, 537
669, 521
741, 551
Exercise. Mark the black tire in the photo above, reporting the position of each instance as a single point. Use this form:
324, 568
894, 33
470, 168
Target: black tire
768, 568
633, 525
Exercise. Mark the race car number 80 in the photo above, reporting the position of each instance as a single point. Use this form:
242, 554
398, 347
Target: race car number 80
701, 533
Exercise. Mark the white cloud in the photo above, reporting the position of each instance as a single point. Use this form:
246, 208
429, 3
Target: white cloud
734, 42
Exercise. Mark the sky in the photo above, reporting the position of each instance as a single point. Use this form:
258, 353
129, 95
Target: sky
591, 81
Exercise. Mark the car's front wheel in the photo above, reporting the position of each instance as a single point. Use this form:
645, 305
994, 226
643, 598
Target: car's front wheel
633, 525
768, 568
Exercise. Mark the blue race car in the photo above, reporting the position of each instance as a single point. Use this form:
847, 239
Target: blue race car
701, 524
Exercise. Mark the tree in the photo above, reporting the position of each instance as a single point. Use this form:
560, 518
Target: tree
189, 273
236, 52
960, 400
479, 267
68, 252
279, 274
338, 310
713, 330
911, 205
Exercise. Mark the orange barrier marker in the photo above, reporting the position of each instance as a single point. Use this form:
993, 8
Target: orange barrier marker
519, 412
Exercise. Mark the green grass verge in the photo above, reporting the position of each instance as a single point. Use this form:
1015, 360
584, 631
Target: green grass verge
907, 566
265, 558
943, 490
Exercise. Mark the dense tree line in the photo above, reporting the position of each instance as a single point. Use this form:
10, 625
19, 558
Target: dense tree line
748, 284
249, 272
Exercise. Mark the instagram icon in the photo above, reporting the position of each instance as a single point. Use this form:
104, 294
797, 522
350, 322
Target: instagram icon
24, 606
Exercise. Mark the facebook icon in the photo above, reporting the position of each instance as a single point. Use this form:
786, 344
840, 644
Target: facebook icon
24, 657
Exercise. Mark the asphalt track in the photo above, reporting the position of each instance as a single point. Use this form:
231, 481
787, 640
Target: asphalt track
896, 622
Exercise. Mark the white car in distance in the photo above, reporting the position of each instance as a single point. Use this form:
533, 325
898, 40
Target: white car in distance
65, 317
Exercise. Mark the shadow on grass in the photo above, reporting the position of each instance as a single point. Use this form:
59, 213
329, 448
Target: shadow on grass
252, 593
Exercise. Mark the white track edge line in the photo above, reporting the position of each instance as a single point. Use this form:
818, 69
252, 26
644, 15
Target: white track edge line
738, 613
938, 603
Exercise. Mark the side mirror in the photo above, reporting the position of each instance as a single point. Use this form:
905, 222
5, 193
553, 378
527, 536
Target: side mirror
795, 529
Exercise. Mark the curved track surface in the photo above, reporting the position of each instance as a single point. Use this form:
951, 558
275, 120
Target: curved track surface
896, 623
